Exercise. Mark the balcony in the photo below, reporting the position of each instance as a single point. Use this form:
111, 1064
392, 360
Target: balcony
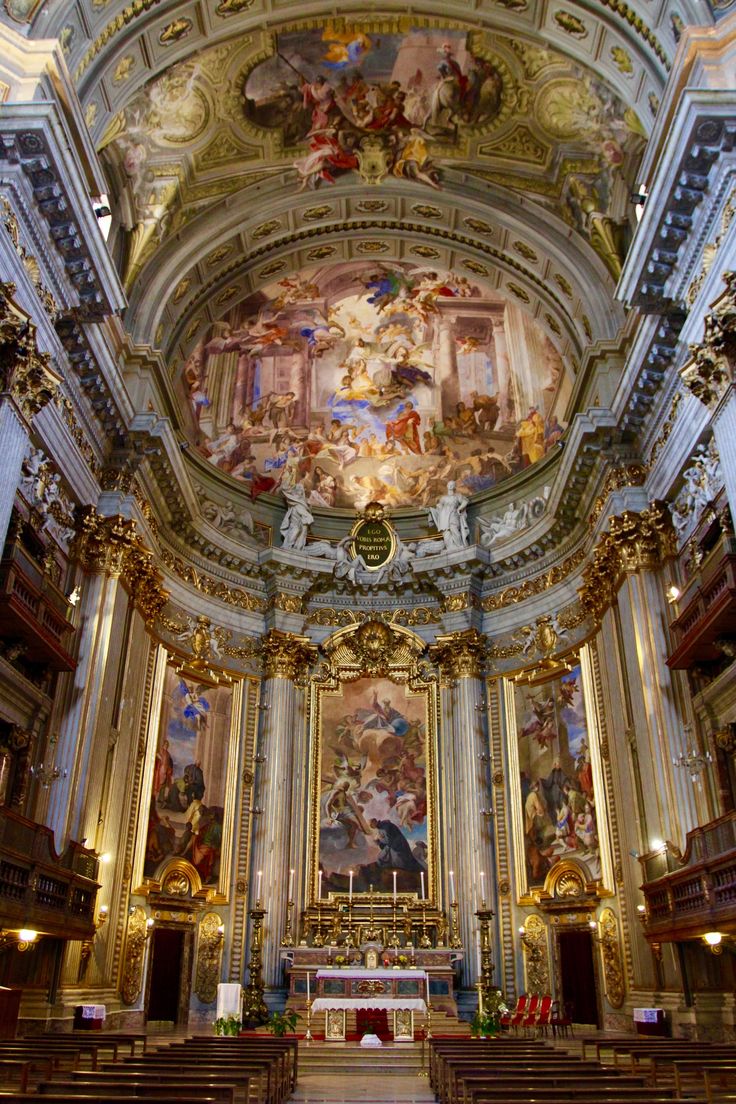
690, 895
34, 611
708, 610
53, 894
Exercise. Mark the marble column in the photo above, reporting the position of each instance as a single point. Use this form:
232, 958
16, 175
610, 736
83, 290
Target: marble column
465, 832
724, 433
277, 845
27, 384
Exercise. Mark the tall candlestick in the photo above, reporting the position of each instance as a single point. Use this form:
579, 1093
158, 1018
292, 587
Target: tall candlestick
291, 885
480, 961
319, 886
259, 879
482, 887
421, 879
307, 984
452, 885
394, 885
351, 885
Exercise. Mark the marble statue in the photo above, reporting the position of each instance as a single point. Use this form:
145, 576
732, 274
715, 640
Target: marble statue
297, 519
450, 518
512, 520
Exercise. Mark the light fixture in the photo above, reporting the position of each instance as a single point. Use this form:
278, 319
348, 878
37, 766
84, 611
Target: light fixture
673, 594
102, 916
657, 845
220, 932
487, 813
714, 940
105, 857
26, 939
149, 926
691, 759
641, 908
47, 775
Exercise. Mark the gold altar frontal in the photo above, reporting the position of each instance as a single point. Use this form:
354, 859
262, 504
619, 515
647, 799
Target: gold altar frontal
400, 992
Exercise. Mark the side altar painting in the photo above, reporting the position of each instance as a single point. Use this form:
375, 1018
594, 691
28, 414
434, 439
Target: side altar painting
187, 799
372, 793
370, 381
560, 807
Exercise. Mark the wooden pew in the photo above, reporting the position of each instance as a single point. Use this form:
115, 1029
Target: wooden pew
259, 1043
223, 1093
130, 1039
97, 1097
264, 1075
182, 1079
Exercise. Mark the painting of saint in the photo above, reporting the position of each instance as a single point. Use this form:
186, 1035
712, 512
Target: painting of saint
362, 381
186, 804
373, 788
558, 798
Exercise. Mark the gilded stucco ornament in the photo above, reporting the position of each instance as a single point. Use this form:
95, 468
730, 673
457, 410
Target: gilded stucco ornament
710, 372
634, 542
25, 373
460, 654
612, 962
209, 957
536, 955
287, 655
112, 545
623, 475
135, 946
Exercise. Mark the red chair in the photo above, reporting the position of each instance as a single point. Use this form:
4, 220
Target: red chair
562, 1020
514, 1018
531, 1013
544, 1015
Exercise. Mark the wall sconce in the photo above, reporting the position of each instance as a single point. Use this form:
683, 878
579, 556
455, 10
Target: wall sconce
102, 916
46, 776
487, 813
24, 939
691, 759
220, 932
714, 940
481, 706
673, 594
149, 926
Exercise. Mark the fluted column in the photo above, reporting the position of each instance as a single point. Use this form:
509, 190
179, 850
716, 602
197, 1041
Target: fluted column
27, 384
503, 371
447, 377
281, 756
724, 432
466, 841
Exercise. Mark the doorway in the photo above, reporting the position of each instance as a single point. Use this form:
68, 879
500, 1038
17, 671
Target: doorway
166, 975
577, 975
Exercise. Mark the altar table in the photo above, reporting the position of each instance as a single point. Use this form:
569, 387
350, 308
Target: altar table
338, 991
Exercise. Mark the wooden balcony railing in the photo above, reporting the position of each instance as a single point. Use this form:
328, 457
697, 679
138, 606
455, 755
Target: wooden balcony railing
34, 611
53, 894
688, 896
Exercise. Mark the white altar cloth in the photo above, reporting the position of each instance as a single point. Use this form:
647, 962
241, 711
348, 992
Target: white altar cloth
361, 972
398, 1004
229, 1000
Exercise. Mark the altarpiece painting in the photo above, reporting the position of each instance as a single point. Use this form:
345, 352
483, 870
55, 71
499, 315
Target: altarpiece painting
373, 782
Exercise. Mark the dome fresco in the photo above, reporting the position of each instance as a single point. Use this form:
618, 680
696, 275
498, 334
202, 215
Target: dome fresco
375, 381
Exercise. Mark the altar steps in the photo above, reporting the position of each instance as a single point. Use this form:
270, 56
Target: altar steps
443, 1023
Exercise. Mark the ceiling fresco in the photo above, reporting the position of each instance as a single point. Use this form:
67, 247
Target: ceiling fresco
371, 103
368, 380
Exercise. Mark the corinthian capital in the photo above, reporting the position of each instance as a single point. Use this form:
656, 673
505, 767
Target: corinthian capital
25, 373
287, 655
460, 654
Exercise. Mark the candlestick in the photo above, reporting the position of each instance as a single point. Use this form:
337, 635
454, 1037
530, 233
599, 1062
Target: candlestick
259, 879
480, 963
291, 885
351, 885
452, 885
319, 886
395, 885
482, 887
307, 984
421, 879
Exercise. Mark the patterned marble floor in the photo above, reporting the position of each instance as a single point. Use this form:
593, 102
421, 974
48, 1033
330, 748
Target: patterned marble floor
362, 1088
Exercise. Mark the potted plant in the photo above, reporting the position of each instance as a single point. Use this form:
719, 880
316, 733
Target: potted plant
227, 1025
341, 960
281, 1023
487, 1023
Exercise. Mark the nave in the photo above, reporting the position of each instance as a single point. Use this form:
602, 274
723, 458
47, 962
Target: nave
580, 1068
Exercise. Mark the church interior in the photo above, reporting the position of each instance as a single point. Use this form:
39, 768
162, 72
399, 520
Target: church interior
368, 584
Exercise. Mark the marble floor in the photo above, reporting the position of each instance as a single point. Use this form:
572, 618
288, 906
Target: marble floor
362, 1088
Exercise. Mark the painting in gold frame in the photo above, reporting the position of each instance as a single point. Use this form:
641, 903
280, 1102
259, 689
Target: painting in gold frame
373, 776
188, 786
559, 811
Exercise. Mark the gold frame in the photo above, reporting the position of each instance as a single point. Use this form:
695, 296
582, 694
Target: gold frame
527, 895
373, 649
143, 884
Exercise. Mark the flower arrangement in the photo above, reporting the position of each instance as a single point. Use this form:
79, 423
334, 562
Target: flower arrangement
282, 1022
341, 960
487, 1020
227, 1025
403, 960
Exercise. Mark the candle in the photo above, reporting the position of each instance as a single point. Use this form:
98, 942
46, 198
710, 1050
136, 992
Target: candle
452, 885
480, 961
482, 887
319, 886
259, 879
394, 886
307, 984
291, 886
351, 885
421, 879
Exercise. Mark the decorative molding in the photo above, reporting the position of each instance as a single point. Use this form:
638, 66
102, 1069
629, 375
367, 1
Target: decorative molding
287, 656
209, 957
710, 372
536, 955
135, 946
611, 953
112, 545
25, 373
460, 654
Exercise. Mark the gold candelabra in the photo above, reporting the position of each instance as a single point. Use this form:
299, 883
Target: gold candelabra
424, 941
485, 981
394, 940
288, 940
455, 940
308, 1038
318, 941
349, 940
254, 1006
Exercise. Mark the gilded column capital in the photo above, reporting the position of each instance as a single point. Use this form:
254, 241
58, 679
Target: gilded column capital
710, 371
634, 542
25, 373
460, 654
287, 655
111, 545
